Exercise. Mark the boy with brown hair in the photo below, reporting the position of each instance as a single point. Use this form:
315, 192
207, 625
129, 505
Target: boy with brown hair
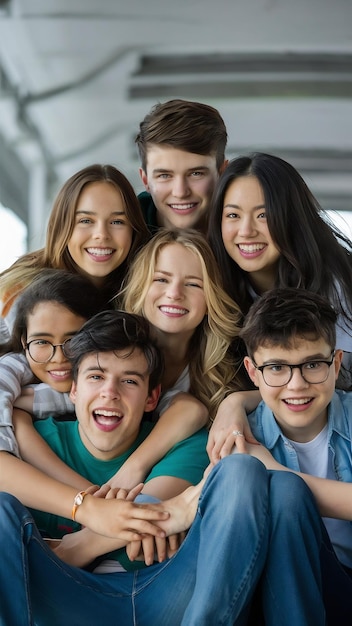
290, 336
182, 150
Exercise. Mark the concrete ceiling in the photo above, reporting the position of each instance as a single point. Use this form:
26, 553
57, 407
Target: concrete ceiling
77, 77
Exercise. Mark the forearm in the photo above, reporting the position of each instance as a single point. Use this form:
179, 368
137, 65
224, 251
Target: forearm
333, 497
113, 518
35, 450
34, 488
83, 547
185, 416
247, 400
182, 509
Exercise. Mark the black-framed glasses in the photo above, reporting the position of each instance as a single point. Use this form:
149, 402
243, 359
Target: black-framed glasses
280, 374
42, 350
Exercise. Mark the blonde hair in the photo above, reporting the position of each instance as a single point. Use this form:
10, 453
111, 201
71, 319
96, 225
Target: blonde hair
212, 366
61, 223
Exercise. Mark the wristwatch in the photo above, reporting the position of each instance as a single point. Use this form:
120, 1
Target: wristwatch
77, 502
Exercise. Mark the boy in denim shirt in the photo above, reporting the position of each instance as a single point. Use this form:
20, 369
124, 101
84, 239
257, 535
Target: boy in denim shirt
303, 421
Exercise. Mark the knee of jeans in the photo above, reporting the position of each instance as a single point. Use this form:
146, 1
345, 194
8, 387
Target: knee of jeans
238, 473
290, 489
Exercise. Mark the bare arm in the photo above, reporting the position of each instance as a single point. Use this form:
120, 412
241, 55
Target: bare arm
334, 498
232, 416
182, 419
83, 547
36, 451
114, 518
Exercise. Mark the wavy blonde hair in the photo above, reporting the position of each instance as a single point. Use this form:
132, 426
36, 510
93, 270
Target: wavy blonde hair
61, 223
212, 365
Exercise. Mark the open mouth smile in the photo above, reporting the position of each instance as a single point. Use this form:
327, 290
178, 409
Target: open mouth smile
107, 420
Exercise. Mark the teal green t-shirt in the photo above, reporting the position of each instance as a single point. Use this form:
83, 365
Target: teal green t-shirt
186, 460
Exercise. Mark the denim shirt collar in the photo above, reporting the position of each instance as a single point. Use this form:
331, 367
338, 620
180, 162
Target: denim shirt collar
338, 421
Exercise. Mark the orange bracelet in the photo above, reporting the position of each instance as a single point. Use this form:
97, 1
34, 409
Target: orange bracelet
76, 503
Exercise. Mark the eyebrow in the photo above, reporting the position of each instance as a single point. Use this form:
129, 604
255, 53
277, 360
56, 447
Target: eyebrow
170, 274
81, 212
236, 206
39, 334
311, 357
94, 368
162, 170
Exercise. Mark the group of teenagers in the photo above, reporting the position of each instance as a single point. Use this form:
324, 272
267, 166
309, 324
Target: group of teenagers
175, 395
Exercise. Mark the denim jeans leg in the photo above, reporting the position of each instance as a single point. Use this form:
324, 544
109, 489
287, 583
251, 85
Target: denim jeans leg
38, 588
291, 584
15, 606
233, 542
337, 585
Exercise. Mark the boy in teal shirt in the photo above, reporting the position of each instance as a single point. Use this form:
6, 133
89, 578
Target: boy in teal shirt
182, 151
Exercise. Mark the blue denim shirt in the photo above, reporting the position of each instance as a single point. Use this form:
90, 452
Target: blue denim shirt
268, 432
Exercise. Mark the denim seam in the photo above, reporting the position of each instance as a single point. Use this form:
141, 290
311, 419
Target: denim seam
248, 571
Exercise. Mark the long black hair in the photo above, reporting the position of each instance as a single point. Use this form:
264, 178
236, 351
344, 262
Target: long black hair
314, 254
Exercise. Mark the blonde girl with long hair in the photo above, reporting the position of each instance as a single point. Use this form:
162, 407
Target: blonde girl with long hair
174, 282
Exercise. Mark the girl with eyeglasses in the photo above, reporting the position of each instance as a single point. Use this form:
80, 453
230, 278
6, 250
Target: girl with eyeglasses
49, 312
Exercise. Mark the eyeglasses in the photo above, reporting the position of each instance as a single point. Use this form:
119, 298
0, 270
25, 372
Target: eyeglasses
279, 375
42, 351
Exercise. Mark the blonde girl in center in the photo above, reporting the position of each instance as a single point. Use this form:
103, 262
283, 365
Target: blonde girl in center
174, 282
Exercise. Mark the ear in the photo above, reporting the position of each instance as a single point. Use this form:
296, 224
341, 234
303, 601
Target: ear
73, 392
223, 167
23, 342
152, 399
251, 370
144, 178
338, 361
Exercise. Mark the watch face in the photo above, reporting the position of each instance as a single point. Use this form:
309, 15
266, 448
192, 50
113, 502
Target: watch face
79, 499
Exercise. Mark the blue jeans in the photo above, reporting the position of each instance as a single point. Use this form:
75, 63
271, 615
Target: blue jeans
251, 525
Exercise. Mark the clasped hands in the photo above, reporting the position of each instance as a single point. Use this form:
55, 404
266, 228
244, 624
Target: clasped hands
82, 547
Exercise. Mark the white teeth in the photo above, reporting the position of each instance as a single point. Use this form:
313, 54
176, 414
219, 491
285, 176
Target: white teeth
108, 413
173, 310
253, 247
182, 207
60, 373
100, 251
297, 400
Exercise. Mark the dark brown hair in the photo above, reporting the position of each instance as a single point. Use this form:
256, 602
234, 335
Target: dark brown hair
190, 126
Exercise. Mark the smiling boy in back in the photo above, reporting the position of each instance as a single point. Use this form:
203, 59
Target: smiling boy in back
182, 150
